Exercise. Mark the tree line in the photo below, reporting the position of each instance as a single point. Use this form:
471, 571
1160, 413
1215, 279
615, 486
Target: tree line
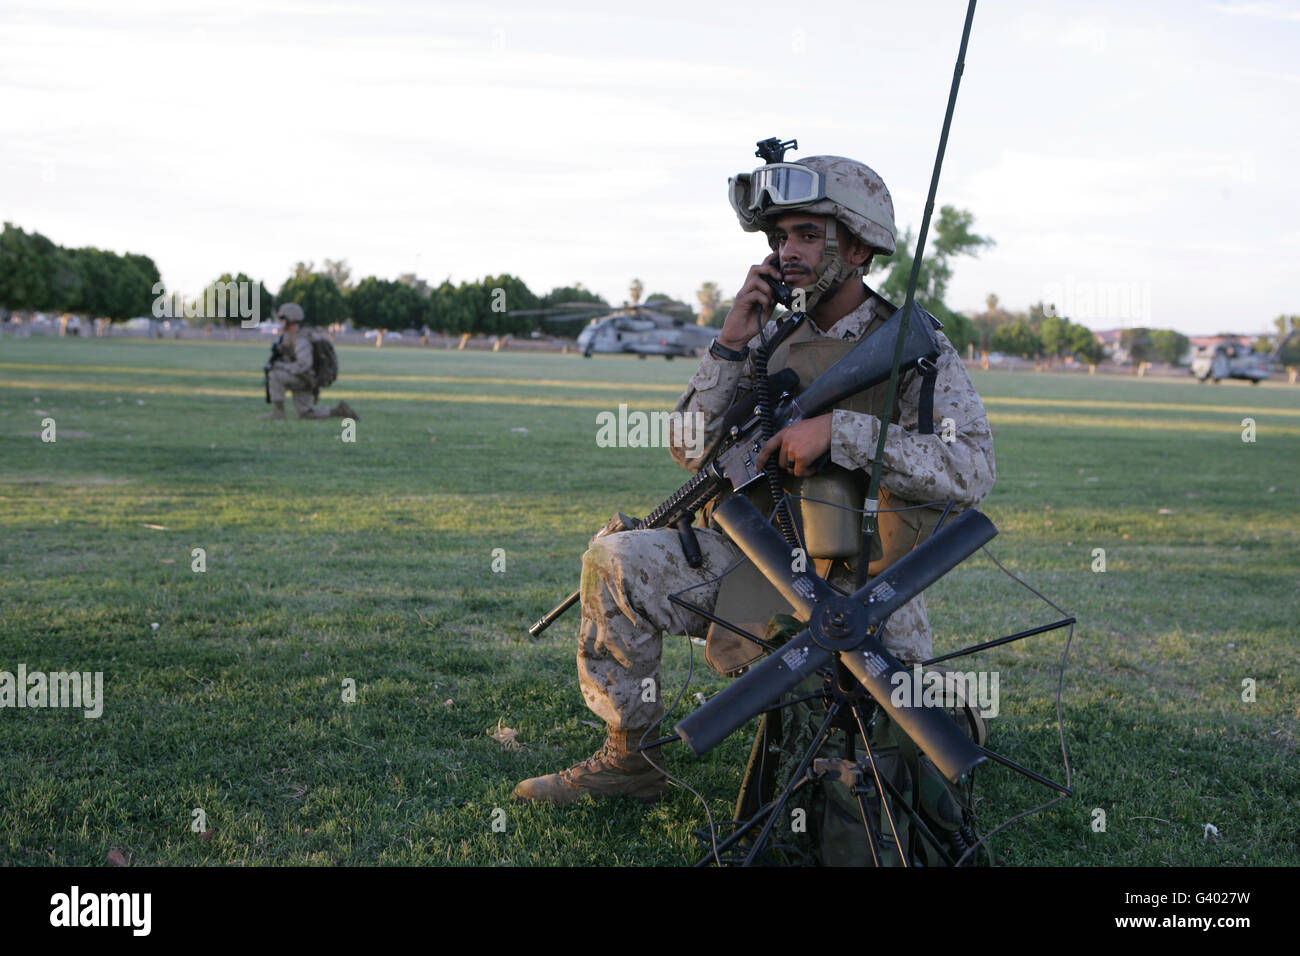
39, 275
1040, 333
486, 306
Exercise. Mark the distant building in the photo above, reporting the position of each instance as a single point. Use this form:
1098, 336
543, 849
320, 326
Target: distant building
1111, 347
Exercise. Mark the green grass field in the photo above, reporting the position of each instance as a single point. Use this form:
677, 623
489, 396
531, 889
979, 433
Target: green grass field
372, 560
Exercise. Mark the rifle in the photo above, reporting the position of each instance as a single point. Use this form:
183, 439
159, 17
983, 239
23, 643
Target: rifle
733, 466
266, 369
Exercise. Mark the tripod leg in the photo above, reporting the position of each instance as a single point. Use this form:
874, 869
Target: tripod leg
752, 790
917, 823
831, 712
880, 791
736, 837
866, 823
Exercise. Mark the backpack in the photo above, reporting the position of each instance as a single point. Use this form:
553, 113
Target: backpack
324, 362
821, 824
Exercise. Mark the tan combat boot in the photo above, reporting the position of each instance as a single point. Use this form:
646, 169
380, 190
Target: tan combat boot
277, 411
344, 410
616, 770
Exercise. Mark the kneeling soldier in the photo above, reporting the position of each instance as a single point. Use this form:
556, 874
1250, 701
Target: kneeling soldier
291, 370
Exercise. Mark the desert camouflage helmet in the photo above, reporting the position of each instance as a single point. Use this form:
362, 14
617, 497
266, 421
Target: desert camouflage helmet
848, 190
289, 312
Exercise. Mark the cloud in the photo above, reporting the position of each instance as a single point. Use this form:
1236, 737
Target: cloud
1077, 190
1274, 75
1267, 11
1086, 35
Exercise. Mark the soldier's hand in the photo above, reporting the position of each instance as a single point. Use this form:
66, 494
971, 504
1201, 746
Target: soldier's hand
752, 306
799, 446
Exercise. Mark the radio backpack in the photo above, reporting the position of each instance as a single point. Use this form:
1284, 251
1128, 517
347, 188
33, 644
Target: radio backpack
826, 826
324, 363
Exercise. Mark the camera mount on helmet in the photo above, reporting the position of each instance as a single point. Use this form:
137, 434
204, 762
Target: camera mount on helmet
772, 150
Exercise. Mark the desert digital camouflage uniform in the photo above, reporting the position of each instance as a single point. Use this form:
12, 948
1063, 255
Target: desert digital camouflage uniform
292, 372
626, 577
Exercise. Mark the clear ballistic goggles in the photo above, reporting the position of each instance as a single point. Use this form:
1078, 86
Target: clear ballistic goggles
778, 184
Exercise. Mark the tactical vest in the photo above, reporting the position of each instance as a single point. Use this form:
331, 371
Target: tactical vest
289, 346
833, 536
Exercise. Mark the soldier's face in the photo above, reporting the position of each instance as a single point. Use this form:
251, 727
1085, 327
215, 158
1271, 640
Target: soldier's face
800, 241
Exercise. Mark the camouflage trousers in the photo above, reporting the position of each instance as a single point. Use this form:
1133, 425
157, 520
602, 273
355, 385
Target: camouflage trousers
279, 381
626, 580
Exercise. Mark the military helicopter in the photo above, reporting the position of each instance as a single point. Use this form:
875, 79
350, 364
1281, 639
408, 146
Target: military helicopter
640, 329
1235, 361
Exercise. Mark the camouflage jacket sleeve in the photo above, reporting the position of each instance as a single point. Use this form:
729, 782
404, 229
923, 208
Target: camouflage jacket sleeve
711, 391
300, 363
955, 462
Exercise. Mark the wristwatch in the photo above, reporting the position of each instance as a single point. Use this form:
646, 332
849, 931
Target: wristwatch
720, 351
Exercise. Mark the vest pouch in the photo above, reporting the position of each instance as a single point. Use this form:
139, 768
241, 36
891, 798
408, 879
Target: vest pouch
832, 525
900, 527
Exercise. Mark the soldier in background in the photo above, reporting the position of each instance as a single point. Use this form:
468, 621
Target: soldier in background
291, 370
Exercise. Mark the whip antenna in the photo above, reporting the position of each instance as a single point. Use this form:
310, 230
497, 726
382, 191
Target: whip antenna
877, 465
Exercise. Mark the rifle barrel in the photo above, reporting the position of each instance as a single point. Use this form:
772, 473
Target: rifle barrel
550, 618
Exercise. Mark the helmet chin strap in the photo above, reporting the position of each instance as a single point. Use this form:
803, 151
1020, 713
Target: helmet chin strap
832, 271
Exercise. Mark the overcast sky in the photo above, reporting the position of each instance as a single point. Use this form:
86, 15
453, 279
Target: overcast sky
1136, 163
